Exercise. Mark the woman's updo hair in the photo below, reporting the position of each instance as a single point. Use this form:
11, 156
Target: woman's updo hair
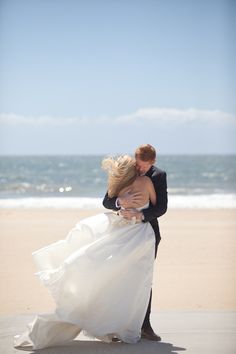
121, 173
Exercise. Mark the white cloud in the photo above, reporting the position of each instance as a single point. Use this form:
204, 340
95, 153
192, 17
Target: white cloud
157, 114
148, 114
14, 119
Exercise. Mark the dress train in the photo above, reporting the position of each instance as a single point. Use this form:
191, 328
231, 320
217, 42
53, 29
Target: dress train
100, 278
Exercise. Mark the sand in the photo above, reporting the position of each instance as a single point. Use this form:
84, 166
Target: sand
195, 267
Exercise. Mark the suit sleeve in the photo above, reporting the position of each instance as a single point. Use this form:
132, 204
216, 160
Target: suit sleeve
153, 212
110, 203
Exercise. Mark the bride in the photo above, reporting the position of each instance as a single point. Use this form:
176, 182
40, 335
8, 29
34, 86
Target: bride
100, 276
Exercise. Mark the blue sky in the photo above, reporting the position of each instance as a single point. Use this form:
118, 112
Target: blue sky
103, 76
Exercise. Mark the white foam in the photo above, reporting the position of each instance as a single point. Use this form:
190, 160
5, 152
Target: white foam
212, 201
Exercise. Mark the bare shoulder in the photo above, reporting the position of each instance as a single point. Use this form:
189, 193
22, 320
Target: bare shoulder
143, 180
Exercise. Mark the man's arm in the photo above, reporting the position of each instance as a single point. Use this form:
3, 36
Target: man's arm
160, 208
110, 203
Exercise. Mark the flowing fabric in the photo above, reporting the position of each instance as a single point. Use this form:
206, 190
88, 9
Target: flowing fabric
100, 277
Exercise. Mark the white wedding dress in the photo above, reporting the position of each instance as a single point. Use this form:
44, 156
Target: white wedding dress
100, 277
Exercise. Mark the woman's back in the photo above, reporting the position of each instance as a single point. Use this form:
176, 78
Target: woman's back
144, 187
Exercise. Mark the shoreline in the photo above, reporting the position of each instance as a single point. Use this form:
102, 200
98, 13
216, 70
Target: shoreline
195, 267
214, 201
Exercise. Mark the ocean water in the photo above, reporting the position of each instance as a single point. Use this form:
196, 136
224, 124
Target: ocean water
79, 181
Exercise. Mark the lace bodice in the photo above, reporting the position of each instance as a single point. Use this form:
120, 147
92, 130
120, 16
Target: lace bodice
140, 208
120, 221
143, 207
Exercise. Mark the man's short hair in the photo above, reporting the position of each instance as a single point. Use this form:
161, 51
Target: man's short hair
146, 152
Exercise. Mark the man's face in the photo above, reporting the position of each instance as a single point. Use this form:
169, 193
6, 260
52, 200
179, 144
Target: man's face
143, 166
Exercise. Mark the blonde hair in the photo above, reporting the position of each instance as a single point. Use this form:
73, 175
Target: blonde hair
121, 173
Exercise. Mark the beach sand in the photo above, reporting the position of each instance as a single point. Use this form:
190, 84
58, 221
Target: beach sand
195, 266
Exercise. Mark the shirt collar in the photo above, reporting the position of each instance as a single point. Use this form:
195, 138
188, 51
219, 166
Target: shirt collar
149, 172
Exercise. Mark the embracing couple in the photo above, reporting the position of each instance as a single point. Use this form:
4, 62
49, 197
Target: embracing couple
100, 276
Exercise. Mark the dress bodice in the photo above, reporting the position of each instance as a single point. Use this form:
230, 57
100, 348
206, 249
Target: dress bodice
143, 207
140, 208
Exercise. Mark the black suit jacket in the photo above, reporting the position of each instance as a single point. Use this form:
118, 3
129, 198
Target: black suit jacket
151, 214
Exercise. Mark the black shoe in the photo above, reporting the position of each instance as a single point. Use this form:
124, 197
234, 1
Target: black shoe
115, 339
149, 334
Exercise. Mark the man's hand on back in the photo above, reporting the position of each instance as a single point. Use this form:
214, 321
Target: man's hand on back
130, 200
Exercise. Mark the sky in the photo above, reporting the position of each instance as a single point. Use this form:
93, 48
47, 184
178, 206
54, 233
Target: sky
104, 76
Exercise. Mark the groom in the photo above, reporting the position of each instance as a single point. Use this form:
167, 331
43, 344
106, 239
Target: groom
145, 156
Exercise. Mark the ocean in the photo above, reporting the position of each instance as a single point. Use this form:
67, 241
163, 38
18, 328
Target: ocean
79, 181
